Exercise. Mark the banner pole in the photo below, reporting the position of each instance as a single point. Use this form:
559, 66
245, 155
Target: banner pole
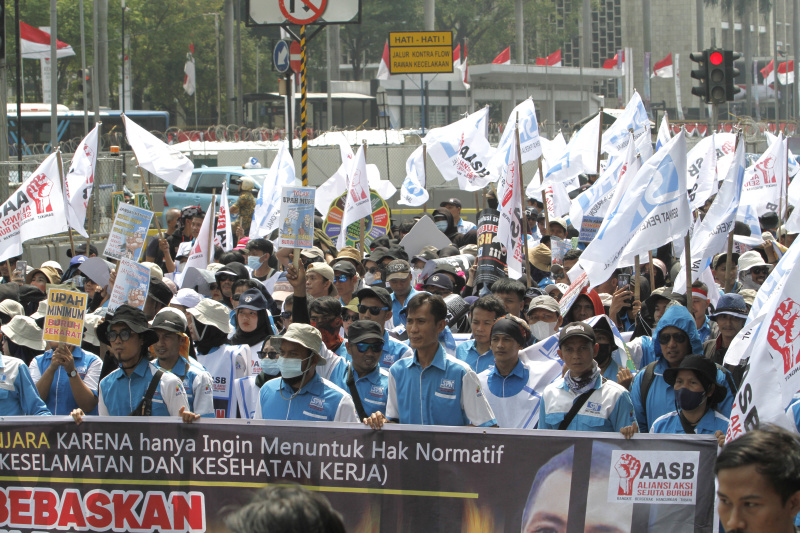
425, 173
652, 268
524, 235
64, 189
544, 198
599, 139
150, 199
361, 220
688, 254
729, 265
212, 226
636, 289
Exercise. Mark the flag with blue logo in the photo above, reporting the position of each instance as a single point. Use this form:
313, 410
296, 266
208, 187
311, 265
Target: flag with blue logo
268, 204
580, 155
461, 151
654, 208
530, 146
615, 138
664, 135
413, 191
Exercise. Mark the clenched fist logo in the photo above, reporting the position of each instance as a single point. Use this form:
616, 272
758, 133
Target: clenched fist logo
39, 191
136, 297
628, 467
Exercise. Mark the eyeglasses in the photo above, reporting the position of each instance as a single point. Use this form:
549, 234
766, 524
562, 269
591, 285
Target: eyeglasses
376, 347
341, 279
213, 287
225, 277
347, 317
678, 337
286, 314
372, 270
760, 270
374, 311
123, 335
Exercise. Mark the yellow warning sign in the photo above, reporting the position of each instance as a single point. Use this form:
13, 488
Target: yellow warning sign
420, 52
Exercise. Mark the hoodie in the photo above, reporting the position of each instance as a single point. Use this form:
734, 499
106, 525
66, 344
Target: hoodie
451, 230
596, 302
661, 396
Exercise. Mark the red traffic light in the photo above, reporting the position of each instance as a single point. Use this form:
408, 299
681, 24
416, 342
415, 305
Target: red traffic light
715, 58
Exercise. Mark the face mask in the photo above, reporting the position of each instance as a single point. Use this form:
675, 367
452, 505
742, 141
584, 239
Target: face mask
290, 368
254, 262
442, 225
541, 330
686, 399
603, 354
271, 366
369, 278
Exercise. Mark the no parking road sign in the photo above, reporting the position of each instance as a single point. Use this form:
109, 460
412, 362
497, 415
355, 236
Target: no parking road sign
302, 11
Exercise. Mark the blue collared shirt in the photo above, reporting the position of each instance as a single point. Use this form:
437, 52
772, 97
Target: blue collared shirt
478, 362
446, 393
464, 226
373, 389
705, 331
60, 400
198, 385
319, 400
609, 408
397, 317
18, 394
711, 422
120, 393
393, 351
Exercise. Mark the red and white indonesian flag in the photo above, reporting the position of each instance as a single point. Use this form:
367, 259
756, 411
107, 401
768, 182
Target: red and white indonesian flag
786, 73
613, 62
266, 215
202, 250
157, 157
765, 182
36, 209
35, 44
358, 203
189, 77
509, 228
383, 68
553, 60
769, 73
224, 220
654, 208
461, 65
80, 181
503, 58
663, 68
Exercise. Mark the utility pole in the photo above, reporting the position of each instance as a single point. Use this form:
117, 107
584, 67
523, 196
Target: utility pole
520, 33
237, 6
795, 48
230, 74
775, 61
101, 33
83, 72
430, 14
219, 79
96, 70
53, 76
701, 40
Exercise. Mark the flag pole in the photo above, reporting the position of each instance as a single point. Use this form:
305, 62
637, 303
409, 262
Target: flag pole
729, 264
599, 139
361, 220
687, 240
425, 173
524, 235
544, 197
63, 180
652, 269
212, 226
637, 276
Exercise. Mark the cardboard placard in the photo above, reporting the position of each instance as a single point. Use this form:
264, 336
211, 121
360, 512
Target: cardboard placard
128, 234
297, 217
424, 233
131, 286
63, 322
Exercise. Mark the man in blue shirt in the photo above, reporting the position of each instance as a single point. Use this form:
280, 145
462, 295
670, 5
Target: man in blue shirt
454, 206
67, 378
375, 304
432, 388
301, 393
477, 352
366, 381
604, 405
399, 278
706, 328
18, 394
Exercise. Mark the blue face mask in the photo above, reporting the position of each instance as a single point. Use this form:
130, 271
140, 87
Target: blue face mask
254, 262
442, 225
270, 366
686, 399
290, 368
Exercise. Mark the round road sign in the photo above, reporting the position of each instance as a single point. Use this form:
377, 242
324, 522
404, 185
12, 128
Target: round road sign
294, 56
280, 56
302, 11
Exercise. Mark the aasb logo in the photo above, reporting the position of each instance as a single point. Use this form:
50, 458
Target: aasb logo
654, 477
377, 391
662, 189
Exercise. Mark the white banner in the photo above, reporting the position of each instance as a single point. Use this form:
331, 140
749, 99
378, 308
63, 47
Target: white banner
358, 203
580, 154
202, 251
766, 180
413, 190
551, 153
509, 228
268, 204
80, 181
616, 138
224, 221
530, 146
664, 134
701, 165
157, 157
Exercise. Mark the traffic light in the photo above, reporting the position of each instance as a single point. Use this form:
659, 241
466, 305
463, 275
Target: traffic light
730, 74
716, 76
701, 73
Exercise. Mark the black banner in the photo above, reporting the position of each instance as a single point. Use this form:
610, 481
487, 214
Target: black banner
491, 259
124, 474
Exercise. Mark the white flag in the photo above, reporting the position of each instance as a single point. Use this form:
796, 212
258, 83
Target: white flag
224, 221
654, 208
157, 157
268, 204
615, 138
336, 184
794, 166
413, 190
358, 203
664, 134
580, 155
765, 182
551, 153
509, 228
557, 198
462, 151
701, 164
189, 78
202, 250
711, 236
36, 209
529, 144
80, 181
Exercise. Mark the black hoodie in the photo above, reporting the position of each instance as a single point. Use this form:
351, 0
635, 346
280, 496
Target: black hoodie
451, 230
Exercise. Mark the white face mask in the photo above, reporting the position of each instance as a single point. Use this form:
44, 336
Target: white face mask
369, 278
541, 330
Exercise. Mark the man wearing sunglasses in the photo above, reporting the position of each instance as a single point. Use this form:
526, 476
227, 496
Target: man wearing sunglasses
366, 381
375, 304
753, 270
345, 279
674, 338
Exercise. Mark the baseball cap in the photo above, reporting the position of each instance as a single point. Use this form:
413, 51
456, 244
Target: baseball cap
706, 371
323, 269
558, 221
252, 299
376, 292
730, 304
344, 267
452, 201
441, 281
169, 319
363, 330
577, 329
548, 303
186, 298
398, 269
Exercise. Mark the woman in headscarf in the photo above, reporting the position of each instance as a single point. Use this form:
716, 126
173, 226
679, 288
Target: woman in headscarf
252, 326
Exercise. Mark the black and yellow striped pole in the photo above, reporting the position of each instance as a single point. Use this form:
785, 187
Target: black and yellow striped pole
303, 95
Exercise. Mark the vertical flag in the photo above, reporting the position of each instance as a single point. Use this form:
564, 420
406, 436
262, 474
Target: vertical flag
664, 134
413, 190
509, 228
189, 78
678, 102
580, 155
663, 68
157, 157
358, 203
79, 181
765, 182
503, 58
336, 184
615, 138
200, 255
529, 144
268, 204
383, 68
224, 221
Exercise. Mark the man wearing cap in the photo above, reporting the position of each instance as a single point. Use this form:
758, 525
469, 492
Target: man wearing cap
730, 316
226, 277
753, 270
123, 392
319, 280
439, 284
477, 352
66, 378
583, 400
539, 258
454, 206
301, 393
366, 381
153, 253
719, 268
705, 327
544, 317
398, 274
432, 388
514, 388
558, 228
81, 250
375, 305
345, 279
172, 355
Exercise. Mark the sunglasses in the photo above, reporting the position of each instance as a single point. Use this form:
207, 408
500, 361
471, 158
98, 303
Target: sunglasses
286, 314
236, 297
760, 270
678, 337
347, 317
213, 287
376, 347
374, 311
123, 335
372, 270
341, 279
268, 354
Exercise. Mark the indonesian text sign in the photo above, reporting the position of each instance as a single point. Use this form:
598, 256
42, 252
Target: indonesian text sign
64, 319
297, 216
420, 52
128, 233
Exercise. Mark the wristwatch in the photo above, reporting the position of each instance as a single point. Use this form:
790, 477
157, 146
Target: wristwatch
73, 373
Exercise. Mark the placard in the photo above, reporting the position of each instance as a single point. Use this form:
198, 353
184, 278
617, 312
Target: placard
128, 234
131, 286
297, 217
424, 233
63, 322
558, 248
589, 228
491, 259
